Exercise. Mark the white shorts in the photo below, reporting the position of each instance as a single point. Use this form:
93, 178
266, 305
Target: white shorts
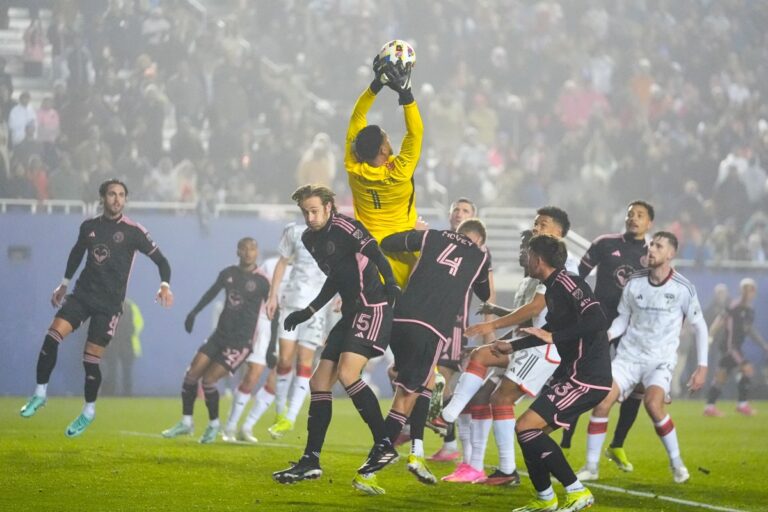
261, 341
628, 373
531, 368
310, 334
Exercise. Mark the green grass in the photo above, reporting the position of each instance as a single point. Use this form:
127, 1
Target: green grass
121, 463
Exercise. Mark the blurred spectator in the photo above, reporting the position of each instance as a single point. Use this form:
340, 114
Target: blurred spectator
318, 164
38, 175
19, 184
48, 124
21, 115
66, 182
5, 77
34, 48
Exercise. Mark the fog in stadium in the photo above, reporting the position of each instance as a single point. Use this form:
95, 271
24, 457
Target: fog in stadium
149, 152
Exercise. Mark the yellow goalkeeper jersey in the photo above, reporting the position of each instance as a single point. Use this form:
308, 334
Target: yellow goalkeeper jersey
384, 197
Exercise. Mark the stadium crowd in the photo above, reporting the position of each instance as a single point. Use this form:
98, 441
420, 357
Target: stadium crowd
584, 104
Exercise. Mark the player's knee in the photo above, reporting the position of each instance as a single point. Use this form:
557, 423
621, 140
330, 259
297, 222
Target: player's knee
348, 377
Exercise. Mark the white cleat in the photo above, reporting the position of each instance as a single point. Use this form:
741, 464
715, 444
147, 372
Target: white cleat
680, 474
246, 437
228, 435
587, 475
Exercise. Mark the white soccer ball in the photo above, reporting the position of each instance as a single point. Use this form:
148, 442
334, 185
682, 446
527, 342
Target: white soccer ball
398, 50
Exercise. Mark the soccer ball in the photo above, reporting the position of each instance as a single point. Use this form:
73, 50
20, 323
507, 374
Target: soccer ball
396, 51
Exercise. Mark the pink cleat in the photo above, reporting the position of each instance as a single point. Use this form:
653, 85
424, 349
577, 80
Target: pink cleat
461, 468
445, 455
746, 410
713, 411
467, 475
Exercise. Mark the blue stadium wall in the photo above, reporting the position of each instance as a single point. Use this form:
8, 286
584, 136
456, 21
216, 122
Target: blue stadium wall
34, 252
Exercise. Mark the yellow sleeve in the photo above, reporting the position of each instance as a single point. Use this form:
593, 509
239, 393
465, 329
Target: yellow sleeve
357, 122
410, 149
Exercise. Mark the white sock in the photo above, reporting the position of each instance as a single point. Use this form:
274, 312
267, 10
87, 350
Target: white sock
89, 410
468, 384
417, 447
596, 434
450, 446
668, 435
187, 420
575, 486
238, 406
546, 494
214, 423
504, 432
41, 390
282, 385
464, 432
406, 430
480, 430
298, 395
261, 403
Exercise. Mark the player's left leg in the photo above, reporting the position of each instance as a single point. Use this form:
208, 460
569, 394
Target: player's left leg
744, 387
91, 359
597, 431
655, 405
503, 401
261, 402
212, 375
299, 390
627, 416
242, 396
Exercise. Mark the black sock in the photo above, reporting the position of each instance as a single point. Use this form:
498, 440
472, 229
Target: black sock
46, 360
92, 376
317, 423
451, 435
543, 457
211, 394
419, 414
627, 417
393, 424
188, 396
713, 395
565, 442
367, 405
745, 383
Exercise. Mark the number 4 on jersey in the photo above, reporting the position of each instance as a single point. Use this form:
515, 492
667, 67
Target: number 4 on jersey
452, 264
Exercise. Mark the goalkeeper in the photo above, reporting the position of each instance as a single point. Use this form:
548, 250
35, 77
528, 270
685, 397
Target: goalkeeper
382, 183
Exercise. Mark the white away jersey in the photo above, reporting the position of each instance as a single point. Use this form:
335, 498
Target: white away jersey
655, 314
306, 278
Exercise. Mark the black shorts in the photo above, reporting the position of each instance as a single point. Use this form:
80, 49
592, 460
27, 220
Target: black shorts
416, 349
562, 401
366, 333
102, 326
450, 357
228, 354
731, 359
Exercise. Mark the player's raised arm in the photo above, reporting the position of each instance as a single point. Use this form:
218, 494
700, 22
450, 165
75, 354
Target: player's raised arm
405, 241
358, 119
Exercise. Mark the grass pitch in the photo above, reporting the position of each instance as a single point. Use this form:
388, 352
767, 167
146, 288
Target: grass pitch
122, 463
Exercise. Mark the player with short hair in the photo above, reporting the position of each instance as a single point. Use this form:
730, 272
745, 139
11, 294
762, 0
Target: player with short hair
351, 259
232, 341
381, 182
110, 241
654, 303
738, 322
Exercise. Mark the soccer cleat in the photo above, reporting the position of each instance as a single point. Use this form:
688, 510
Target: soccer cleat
461, 468
436, 402
577, 500
228, 435
468, 475
179, 429
586, 474
712, 411
368, 484
281, 427
78, 426
500, 478
746, 410
444, 455
619, 457
418, 467
33, 404
209, 435
246, 436
438, 425
539, 505
308, 468
680, 474
381, 455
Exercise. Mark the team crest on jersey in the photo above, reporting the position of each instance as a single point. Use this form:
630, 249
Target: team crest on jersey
100, 254
670, 297
578, 294
621, 275
250, 285
330, 247
358, 234
118, 237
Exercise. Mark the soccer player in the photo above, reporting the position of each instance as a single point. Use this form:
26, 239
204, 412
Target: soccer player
351, 259
654, 303
110, 241
576, 325
451, 264
297, 346
232, 341
738, 322
382, 184
616, 257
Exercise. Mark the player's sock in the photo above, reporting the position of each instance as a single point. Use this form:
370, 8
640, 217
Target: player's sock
261, 402
745, 383
668, 435
92, 376
188, 396
320, 411
186, 419
298, 392
211, 393
627, 417
596, 433
504, 432
543, 456
239, 402
575, 486
282, 385
418, 417
417, 447
393, 424
565, 441
469, 383
546, 494
89, 410
464, 431
46, 361
367, 405
482, 420
713, 395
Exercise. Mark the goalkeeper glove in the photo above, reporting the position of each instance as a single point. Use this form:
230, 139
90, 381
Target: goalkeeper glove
398, 78
377, 84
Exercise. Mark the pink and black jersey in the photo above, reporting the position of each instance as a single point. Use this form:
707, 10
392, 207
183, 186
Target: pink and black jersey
739, 319
246, 291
